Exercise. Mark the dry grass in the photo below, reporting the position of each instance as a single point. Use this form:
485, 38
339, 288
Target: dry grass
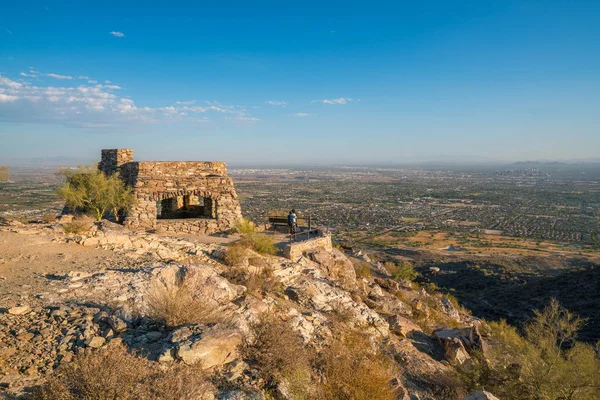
113, 373
362, 268
257, 284
175, 305
235, 254
352, 369
77, 227
279, 355
49, 218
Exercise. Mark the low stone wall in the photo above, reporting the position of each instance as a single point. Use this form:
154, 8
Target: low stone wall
294, 251
189, 225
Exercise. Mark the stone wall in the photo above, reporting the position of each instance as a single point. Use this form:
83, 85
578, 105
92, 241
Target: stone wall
156, 181
295, 250
112, 160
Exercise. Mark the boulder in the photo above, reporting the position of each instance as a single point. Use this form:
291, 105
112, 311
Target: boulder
449, 309
335, 265
202, 280
402, 326
212, 346
481, 395
469, 337
95, 342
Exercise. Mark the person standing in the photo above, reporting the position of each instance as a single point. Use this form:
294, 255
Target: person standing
292, 224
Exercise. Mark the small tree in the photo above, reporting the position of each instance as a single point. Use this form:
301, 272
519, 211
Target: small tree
4, 173
92, 192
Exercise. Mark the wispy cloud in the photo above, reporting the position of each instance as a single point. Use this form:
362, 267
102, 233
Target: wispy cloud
277, 103
96, 106
57, 76
300, 114
117, 34
186, 103
341, 100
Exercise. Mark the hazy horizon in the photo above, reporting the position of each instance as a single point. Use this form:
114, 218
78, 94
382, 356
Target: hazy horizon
325, 83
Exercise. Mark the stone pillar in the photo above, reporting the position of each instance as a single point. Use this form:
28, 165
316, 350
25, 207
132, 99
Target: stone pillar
113, 159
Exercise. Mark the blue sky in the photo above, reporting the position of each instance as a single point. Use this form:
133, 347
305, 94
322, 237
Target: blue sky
301, 82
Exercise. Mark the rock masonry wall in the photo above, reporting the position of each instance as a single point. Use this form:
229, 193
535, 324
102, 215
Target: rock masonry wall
295, 250
155, 181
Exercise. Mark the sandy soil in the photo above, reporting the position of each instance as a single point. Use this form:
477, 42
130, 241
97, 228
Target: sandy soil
29, 264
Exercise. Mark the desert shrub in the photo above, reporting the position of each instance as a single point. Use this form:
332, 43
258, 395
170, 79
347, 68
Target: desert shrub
405, 271
440, 385
258, 283
246, 227
49, 218
113, 373
352, 369
545, 363
4, 173
235, 254
279, 354
362, 269
175, 305
76, 227
90, 191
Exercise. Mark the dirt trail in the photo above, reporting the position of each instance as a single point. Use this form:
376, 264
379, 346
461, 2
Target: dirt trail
29, 262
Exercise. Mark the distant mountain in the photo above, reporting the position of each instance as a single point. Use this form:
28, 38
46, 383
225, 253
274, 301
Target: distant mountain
46, 161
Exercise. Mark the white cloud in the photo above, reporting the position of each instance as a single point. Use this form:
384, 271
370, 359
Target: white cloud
276, 103
117, 34
300, 115
92, 81
10, 83
341, 100
96, 106
186, 103
56, 76
7, 98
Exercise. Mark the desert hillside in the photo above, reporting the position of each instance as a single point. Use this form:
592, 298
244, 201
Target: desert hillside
147, 315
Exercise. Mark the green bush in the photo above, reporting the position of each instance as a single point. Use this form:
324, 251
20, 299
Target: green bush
92, 192
245, 227
545, 363
264, 244
404, 271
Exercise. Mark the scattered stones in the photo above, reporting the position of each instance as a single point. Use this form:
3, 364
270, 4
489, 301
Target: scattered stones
19, 310
95, 342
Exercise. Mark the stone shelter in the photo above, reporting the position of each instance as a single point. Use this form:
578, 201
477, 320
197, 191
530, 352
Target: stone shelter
175, 196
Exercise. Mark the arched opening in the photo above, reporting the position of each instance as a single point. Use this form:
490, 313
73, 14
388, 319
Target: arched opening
187, 206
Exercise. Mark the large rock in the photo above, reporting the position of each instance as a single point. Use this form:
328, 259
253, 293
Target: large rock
335, 265
469, 337
481, 395
403, 326
212, 346
202, 280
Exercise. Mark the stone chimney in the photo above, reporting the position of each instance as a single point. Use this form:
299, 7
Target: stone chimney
113, 159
